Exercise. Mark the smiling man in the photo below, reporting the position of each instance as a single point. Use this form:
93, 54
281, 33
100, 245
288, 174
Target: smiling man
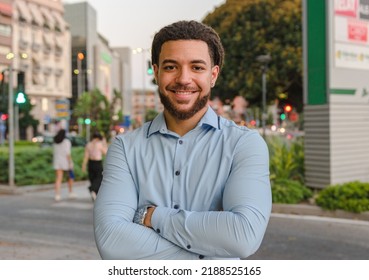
189, 184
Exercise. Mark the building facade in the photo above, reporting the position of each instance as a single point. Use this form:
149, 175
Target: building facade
6, 34
41, 47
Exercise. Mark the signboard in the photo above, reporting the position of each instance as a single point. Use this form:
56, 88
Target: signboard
62, 109
349, 51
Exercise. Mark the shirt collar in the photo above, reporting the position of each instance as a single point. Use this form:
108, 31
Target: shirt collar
158, 124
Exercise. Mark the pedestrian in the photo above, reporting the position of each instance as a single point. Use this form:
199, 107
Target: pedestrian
62, 163
95, 150
190, 184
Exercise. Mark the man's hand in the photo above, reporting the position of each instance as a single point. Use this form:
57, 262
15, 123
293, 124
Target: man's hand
143, 215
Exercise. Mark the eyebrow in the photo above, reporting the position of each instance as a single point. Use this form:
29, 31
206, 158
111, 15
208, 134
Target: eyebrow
192, 61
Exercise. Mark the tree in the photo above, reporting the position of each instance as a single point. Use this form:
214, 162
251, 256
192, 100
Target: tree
26, 119
256, 27
95, 106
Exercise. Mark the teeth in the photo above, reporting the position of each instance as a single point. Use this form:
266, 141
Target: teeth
184, 92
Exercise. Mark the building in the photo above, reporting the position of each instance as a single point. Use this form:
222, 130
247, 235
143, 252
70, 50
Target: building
6, 34
41, 47
96, 64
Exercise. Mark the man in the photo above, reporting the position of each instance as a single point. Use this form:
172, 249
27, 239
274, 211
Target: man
189, 184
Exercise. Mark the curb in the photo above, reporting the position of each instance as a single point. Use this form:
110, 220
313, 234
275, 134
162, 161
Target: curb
292, 209
5, 189
313, 210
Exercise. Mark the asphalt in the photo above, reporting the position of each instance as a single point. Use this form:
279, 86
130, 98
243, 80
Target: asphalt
291, 209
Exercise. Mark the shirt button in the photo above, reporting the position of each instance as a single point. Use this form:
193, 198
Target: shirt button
180, 142
201, 257
158, 230
178, 172
176, 206
188, 246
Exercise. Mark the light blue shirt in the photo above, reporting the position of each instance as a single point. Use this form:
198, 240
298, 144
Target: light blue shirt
211, 188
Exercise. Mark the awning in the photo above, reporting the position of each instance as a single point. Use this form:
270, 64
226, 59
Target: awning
6, 9
47, 17
48, 39
59, 20
36, 58
36, 14
24, 12
59, 41
37, 79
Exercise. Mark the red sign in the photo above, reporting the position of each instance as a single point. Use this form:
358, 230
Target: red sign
358, 31
346, 8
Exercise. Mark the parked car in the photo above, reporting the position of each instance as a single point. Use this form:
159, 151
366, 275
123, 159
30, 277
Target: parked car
46, 140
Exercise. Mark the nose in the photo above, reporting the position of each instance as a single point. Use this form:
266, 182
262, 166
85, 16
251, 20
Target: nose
184, 76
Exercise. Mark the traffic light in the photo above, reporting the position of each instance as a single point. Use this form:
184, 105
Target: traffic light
287, 108
20, 97
150, 70
282, 116
4, 117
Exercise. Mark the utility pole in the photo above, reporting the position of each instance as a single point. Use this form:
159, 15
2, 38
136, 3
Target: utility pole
264, 60
11, 127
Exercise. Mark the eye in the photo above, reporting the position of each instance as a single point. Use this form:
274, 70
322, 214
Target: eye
169, 67
198, 68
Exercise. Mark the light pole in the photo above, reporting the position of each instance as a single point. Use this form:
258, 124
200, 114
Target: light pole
144, 65
78, 72
10, 56
264, 60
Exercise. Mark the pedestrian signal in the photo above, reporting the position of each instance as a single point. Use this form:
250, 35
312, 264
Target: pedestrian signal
150, 70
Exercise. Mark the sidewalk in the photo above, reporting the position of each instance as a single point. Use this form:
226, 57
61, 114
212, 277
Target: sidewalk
291, 209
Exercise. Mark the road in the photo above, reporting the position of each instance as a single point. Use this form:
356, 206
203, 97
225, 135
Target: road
34, 227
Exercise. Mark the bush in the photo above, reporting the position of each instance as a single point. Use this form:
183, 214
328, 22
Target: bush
289, 191
33, 165
351, 196
286, 159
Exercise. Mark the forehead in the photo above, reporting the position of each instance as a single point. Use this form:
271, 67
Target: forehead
182, 50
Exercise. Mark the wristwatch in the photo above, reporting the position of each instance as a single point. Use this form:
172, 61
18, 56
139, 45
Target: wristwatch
141, 214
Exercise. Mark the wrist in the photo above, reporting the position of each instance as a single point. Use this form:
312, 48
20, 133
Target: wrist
143, 215
147, 217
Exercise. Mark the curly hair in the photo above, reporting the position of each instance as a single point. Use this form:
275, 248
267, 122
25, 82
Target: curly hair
189, 30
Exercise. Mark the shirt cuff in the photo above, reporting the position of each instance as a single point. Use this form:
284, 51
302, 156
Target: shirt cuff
160, 218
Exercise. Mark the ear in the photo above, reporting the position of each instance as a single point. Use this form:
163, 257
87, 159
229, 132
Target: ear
214, 75
156, 72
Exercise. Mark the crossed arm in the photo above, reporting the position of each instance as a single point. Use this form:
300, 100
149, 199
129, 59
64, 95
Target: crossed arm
235, 232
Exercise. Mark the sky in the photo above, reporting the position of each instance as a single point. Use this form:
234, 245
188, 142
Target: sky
127, 23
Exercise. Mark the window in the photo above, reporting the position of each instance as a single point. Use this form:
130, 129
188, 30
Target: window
5, 30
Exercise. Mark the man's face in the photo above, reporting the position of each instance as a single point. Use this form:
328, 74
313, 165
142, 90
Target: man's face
185, 76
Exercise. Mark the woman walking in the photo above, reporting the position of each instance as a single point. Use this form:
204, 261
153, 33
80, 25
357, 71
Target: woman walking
94, 152
62, 162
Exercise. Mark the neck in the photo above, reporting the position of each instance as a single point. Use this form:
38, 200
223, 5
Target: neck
181, 127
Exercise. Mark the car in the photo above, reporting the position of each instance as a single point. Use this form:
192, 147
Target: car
46, 140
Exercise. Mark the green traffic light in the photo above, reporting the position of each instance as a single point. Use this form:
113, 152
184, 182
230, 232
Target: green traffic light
283, 116
150, 71
87, 121
21, 98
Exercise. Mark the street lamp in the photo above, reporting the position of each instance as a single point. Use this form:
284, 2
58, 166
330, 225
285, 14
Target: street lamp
264, 60
80, 57
10, 56
144, 65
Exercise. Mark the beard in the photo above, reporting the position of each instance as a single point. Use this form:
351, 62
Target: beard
182, 115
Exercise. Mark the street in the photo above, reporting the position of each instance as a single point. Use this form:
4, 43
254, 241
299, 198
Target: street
34, 227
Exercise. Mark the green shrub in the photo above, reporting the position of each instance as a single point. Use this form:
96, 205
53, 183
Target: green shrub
289, 191
351, 196
286, 159
33, 165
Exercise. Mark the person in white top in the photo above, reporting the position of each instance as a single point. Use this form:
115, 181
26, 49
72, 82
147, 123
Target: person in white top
95, 150
62, 161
